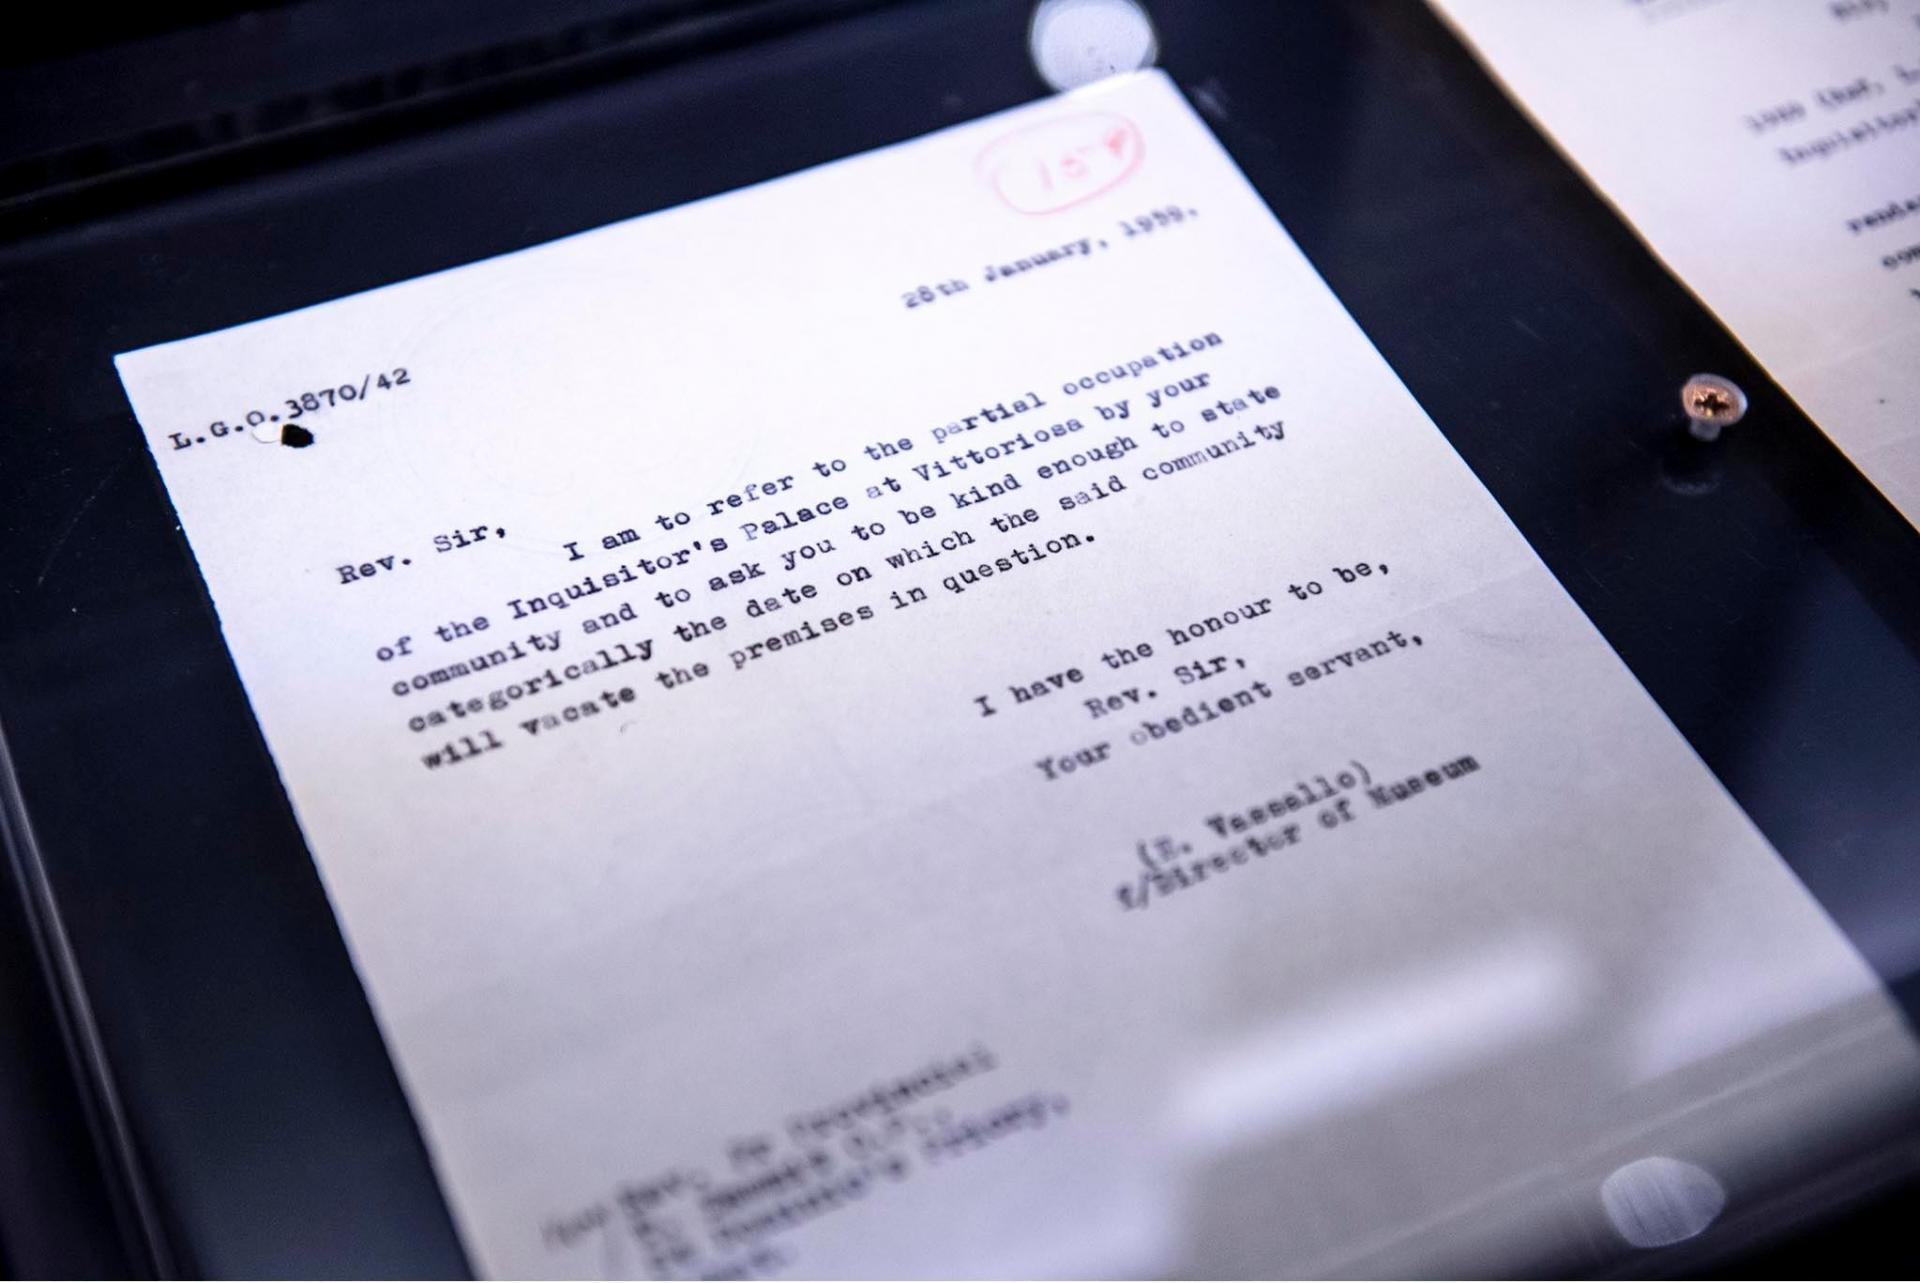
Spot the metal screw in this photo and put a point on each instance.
(1711, 403)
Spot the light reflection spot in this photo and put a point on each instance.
(1076, 42)
(1656, 1202)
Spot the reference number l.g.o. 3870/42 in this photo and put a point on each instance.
(259, 424)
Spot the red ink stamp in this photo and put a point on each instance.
(1062, 162)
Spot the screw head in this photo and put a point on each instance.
(1711, 403)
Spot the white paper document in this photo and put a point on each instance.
(1769, 152)
(948, 714)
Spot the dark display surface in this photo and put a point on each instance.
(1761, 590)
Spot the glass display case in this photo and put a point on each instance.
(919, 892)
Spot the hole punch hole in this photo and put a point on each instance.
(296, 436)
